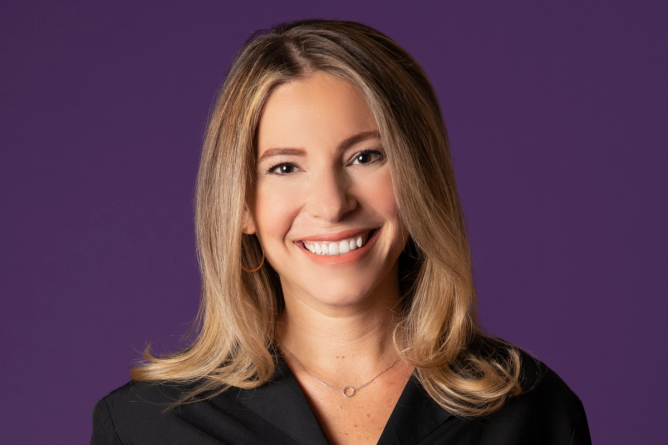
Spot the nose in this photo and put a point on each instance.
(330, 198)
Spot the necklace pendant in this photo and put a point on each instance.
(348, 391)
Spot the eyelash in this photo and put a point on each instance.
(379, 153)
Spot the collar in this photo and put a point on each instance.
(282, 403)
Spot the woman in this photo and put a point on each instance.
(338, 302)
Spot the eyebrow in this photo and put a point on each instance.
(352, 140)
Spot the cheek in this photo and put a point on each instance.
(381, 194)
(274, 212)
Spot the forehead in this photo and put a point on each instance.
(318, 111)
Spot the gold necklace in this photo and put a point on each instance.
(348, 391)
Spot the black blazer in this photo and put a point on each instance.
(278, 413)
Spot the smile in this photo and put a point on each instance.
(332, 248)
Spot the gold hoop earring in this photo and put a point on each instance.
(261, 262)
(257, 268)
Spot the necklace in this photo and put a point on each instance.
(348, 391)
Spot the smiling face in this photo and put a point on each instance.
(323, 206)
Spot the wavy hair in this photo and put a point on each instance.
(464, 370)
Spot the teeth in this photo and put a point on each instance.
(336, 247)
(333, 249)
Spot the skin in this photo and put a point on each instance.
(339, 310)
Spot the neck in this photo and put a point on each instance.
(341, 344)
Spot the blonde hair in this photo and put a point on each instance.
(465, 371)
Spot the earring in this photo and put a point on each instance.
(261, 262)
(257, 268)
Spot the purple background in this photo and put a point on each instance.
(557, 116)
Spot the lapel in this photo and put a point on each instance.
(414, 416)
(282, 403)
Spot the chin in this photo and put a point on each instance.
(341, 301)
(341, 297)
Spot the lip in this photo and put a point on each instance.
(346, 258)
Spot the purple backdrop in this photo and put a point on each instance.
(557, 117)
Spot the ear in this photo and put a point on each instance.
(248, 226)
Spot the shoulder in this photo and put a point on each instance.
(146, 413)
(547, 409)
(542, 383)
(117, 416)
(141, 412)
(143, 396)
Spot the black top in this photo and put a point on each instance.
(278, 413)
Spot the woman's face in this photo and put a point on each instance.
(323, 207)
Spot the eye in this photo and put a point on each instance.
(282, 169)
(368, 157)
